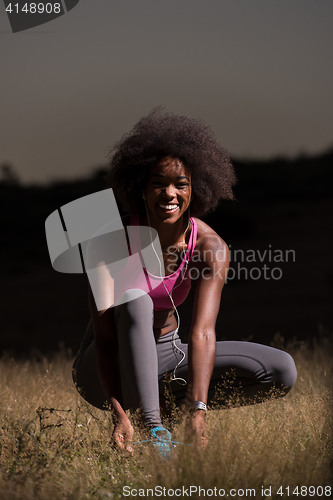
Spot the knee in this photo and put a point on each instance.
(135, 299)
(285, 371)
(131, 294)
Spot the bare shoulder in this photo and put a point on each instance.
(209, 240)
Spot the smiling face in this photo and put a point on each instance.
(168, 190)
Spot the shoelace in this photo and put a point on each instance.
(162, 440)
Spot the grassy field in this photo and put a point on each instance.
(55, 446)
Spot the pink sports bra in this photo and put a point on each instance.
(178, 283)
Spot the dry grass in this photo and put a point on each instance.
(55, 446)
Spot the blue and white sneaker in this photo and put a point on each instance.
(161, 439)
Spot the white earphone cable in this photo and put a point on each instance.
(180, 380)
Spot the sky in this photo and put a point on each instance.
(259, 72)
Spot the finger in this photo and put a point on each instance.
(119, 440)
(129, 441)
(129, 449)
(204, 442)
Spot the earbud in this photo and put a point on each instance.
(143, 195)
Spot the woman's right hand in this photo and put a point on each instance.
(123, 435)
(198, 425)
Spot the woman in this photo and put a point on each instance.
(167, 172)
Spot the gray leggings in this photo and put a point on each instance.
(253, 369)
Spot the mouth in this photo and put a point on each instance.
(169, 209)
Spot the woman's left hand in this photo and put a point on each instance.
(198, 424)
(123, 435)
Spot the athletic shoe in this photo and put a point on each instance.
(161, 439)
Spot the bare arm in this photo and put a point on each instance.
(106, 353)
(109, 370)
(202, 340)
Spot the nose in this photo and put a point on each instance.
(170, 191)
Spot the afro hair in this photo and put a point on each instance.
(161, 134)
